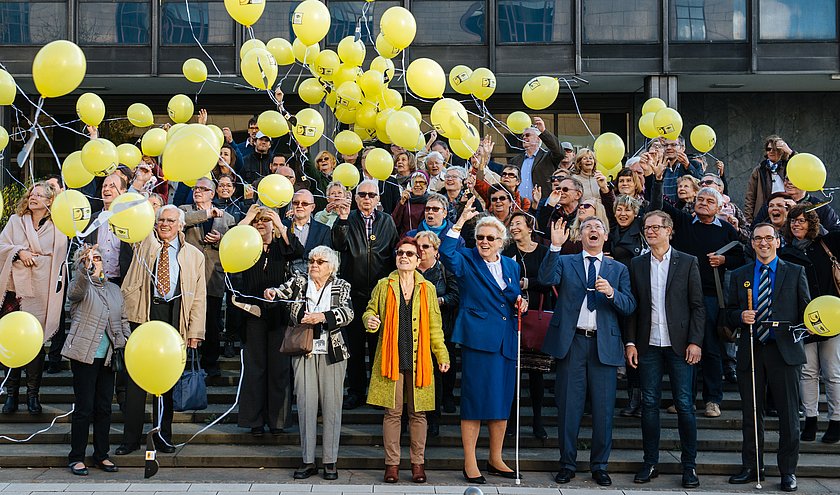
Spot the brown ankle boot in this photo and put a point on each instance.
(418, 473)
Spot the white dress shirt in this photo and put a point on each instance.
(495, 268)
(318, 301)
(588, 319)
(659, 335)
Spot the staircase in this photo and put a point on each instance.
(226, 445)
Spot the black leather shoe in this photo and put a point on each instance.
(731, 376)
(511, 475)
(602, 477)
(351, 402)
(257, 431)
(564, 476)
(276, 431)
(540, 433)
(126, 449)
(11, 404)
(307, 470)
(690, 479)
(478, 480)
(108, 468)
(789, 483)
(647, 473)
(82, 471)
(53, 368)
(330, 472)
(747, 475)
(164, 448)
(34, 405)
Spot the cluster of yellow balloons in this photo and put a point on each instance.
(155, 356)
(659, 120)
(480, 83)
(21, 339)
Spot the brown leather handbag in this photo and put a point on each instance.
(297, 341)
(835, 266)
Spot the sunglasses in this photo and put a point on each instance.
(370, 195)
(768, 150)
(301, 203)
(557, 178)
(419, 182)
(707, 183)
(488, 238)
(425, 246)
(586, 206)
(409, 254)
(509, 174)
(567, 189)
(433, 209)
(498, 199)
(318, 261)
(262, 220)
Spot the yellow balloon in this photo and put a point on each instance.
(170, 133)
(402, 129)
(668, 123)
(482, 83)
(129, 155)
(372, 83)
(646, 126)
(609, 150)
(272, 124)
(194, 70)
(8, 90)
(311, 91)
(806, 171)
(426, 78)
(58, 68)
(390, 98)
(275, 190)
(73, 172)
(190, 154)
(612, 173)
(442, 115)
(326, 63)
(91, 109)
(540, 92)
(311, 21)
(259, 68)
(398, 25)
(379, 164)
(193, 182)
(517, 122)
(330, 99)
(220, 136)
(347, 143)
(352, 52)
(382, 123)
(367, 134)
(4, 138)
(155, 355)
(348, 96)
(459, 78)
(414, 112)
(153, 142)
(180, 109)
(653, 105)
(703, 138)
(133, 217)
(347, 174)
(140, 115)
(822, 315)
(282, 51)
(240, 248)
(346, 73)
(70, 212)
(385, 66)
(366, 114)
(309, 127)
(385, 48)
(21, 339)
(305, 54)
(468, 144)
(100, 157)
(245, 13)
(249, 45)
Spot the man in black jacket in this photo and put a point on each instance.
(365, 238)
(666, 334)
(535, 164)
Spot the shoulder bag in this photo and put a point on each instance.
(725, 332)
(535, 325)
(298, 339)
(190, 393)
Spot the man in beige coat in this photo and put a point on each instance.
(165, 285)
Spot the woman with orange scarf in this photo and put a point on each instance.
(404, 310)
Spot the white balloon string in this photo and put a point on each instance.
(42, 430)
(577, 107)
(237, 293)
(3, 384)
(192, 31)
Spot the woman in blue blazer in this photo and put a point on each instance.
(486, 329)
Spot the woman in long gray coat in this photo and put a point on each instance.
(97, 327)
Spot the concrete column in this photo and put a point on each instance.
(664, 87)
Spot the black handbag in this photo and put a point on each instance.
(190, 393)
(117, 356)
(336, 348)
(725, 332)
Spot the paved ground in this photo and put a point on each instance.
(179, 481)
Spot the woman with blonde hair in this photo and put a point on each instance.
(321, 171)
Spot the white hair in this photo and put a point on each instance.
(491, 221)
(368, 182)
(709, 191)
(328, 254)
(435, 154)
(181, 214)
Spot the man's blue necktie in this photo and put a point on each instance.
(590, 284)
(763, 311)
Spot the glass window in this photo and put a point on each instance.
(32, 22)
(125, 22)
(444, 22)
(209, 22)
(534, 21)
(346, 15)
(797, 20)
(708, 20)
(276, 21)
(608, 21)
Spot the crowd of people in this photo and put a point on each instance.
(426, 275)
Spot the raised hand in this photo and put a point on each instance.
(202, 116)
(536, 193)
(468, 214)
(539, 124)
(559, 232)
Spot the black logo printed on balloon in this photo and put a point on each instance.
(816, 322)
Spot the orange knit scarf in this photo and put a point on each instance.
(390, 346)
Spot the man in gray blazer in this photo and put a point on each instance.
(666, 334)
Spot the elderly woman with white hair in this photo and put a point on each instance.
(322, 299)
(436, 167)
(490, 303)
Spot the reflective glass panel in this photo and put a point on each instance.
(208, 22)
(125, 23)
(708, 20)
(534, 21)
(442, 22)
(608, 21)
(797, 19)
(32, 23)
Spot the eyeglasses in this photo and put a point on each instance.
(201, 189)
(798, 221)
(225, 186)
(509, 174)
(97, 258)
(766, 238)
(653, 228)
(425, 246)
(408, 254)
(488, 238)
(370, 195)
(419, 182)
(498, 199)
(318, 261)
(452, 177)
(301, 203)
(433, 209)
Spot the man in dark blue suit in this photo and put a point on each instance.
(309, 232)
(585, 339)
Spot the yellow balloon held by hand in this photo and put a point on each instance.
(129, 155)
(133, 217)
(155, 356)
(822, 316)
(91, 109)
(100, 157)
(806, 171)
(275, 190)
(70, 212)
(194, 70)
(703, 138)
(646, 126)
(240, 248)
(609, 150)
(140, 115)
(180, 109)
(21, 339)
(245, 13)
(347, 174)
(517, 122)
(190, 154)
(668, 123)
(58, 68)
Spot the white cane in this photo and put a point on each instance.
(518, 381)
(752, 377)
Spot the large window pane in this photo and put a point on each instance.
(32, 23)
(708, 20)
(209, 22)
(443, 22)
(608, 21)
(534, 21)
(276, 20)
(125, 22)
(346, 15)
(798, 19)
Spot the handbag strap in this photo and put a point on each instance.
(834, 264)
(718, 286)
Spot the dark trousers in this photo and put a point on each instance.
(93, 387)
(210, 348)
(771, 372)
(266, 391)
(34, 372)
(652, 367)
(712, 360)
(444, 384)
(357, 339)
(581, 371)
(57, 340)
(234, 319)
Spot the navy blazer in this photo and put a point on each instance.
(319, 235)
(487, 315)
(568, 274)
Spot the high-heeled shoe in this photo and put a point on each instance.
(478, 480)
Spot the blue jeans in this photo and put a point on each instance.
(712, 361)
(652, 366)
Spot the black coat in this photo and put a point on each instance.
(365, 259)
(447, 289)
